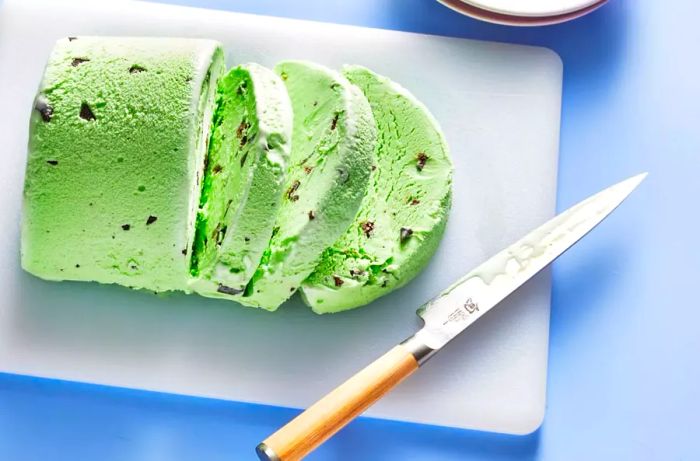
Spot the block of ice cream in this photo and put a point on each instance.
(333, 142)
(117, 143)
(402, 217)
(244, 179)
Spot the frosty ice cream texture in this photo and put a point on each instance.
(332, 153)
(403, 214)
(148, 169)
(242, 191)
(116, 149)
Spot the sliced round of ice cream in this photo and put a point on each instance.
(244, 179)
(333, 144)
(117, 144)
(402, 217)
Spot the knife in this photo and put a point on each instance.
(444, 317)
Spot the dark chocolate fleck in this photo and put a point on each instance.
(335, 85)
(338, 281)
(315, 103)
(312, 215)
(78, 61)
(405, 234)
(385, 283)
(343, 174)
(308, 169)
(244, 158)
(44, 109)
(367, 228)
(374, 167)
(292, 290)
(334, 122)
(247, 239)
(414, 201)
(86, 112)
(240, 131)
(244, 140)
(356, 272)
(126, 227)
(228, 290)
(52, 162)
(217, 169)
(291, 191)
(70, 39)
(184, 252)
(135, 69)
(77, 266)
(151, 219)
(421, 159)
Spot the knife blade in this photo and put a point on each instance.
(444, 317)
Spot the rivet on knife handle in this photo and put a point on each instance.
(330, 414)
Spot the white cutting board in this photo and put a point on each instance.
(499, 106)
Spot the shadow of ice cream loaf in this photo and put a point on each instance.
(402, 217)
(117, 144)
(333, 142)
(244, 179)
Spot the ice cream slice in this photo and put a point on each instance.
(333, 144)
(116, 153)
(244, 179)
(402, 217)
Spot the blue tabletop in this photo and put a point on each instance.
(624, 367)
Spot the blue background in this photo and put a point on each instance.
(625, 342)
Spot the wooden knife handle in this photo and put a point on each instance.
(330, 414)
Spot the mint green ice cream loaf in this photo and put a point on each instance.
(402, 217)
(333, 144)
(117, 144)
(244, 179)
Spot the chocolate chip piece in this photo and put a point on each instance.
(338, 281)
(291, 191)
(70, 39)
(343, 174)
(184, 252)
(406, 233)
(126, 227)
(312, 215)
(334, 122)
(356, 272)
(43, 107)
(136, 69)
(315, 103)
(151, 219)
(78, 61)
(385, 283)
(244, 158)
(52, 162)
(217, 169)
(367, 228)
(77, 266)
(244, 140)
(374, 167)
(421, 159)
(241, 129)
(86, 112)
(247, 239)
(228, 290)
(414, 201)
(308, 169)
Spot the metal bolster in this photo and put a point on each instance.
(266, 453)
(420, 351)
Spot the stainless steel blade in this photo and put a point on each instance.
(468, 299)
